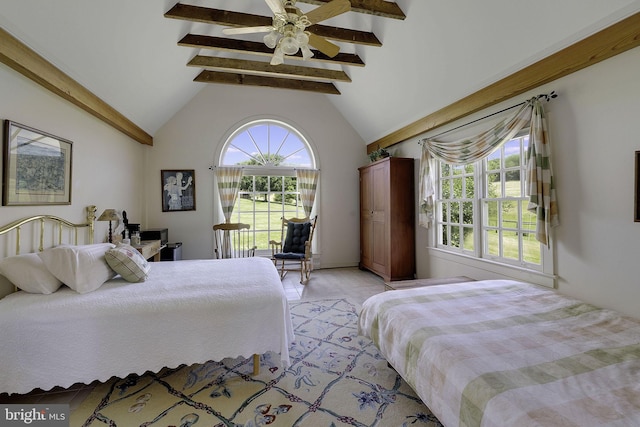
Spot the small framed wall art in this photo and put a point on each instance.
(36, 167)
(178, 190)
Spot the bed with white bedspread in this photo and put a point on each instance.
(185, 312)
(506, 353)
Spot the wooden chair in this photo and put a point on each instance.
(232, 240)
(293, 251)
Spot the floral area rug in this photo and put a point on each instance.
(336, 378)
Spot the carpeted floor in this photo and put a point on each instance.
(336, 378)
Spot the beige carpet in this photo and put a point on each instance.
(336, 378)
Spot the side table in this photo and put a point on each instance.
(150, 249)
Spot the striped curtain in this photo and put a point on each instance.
(228, 185)
(539, 180)
(307, 183)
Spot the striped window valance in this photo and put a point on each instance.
(540, 187)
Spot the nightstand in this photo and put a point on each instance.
(150, 249)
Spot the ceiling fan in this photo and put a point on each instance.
(288, 32)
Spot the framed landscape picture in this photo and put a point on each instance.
(36, 167)
(178, 190)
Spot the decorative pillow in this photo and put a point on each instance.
(29, 273)
(297, 235)
(128, 263)
(82, 268)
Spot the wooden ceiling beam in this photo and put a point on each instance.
(21, 58)
(611, 41)
(257, 48)
(382, 8)
(207, 76)
(239, 19)
(260, 68)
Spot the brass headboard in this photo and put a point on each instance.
(38, 231)
(57, 223)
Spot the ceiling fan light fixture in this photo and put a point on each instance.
(271, 39)
(278, 57)
(306, 52)
(289, 45)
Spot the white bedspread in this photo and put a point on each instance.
(186, 312)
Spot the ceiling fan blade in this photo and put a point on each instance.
(328, 10)
(247, 30)
(276, 6)
(323, 45)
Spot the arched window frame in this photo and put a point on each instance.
(266, 170)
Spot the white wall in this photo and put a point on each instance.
(594, 131)
(105, 162)
(192, 138)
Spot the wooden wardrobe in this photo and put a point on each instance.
(387, 218)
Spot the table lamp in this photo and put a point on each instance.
(109, 215)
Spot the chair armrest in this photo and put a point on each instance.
(274, 247)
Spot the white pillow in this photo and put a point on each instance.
(128, 263)
(82, 268)
(29, 273)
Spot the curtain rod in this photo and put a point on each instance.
(242, 167)
(547, 96)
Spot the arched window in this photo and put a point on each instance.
(269, 152)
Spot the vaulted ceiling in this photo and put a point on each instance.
(145, 63)
(316, 74)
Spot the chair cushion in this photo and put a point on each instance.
(289, 255)
(297, 236)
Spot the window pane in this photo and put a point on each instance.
(530, 248)
(457, 187)
(469, 243)
(528, 219)
(494, 186)
(512, 153)
(455, 212)
(512, 185)
(509, 214)
(510, 245)
(491, 213)
(445, 169)
(445, 211)
(445, 189)
(455, 236)
(492, 238)
(467, 212)
(493, 161)
(262, 239)
(469, 187)
(444, 233)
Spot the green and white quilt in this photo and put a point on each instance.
(507, 353)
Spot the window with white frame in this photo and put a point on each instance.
(269, 152)
(482, 209)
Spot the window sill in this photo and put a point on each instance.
(511, 271)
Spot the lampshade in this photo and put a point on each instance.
(289, 45)
(278, 57)
(271, 39)
(109, 215)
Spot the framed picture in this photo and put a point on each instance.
(178, 190)
(636, 200)
(36, 167)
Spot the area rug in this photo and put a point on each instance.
(336, 378)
